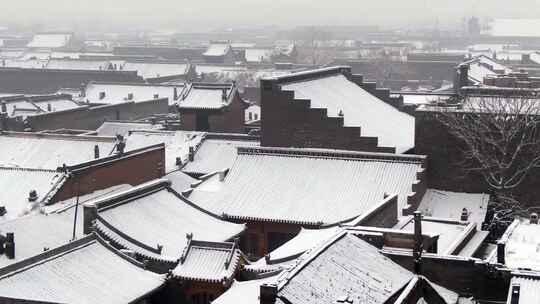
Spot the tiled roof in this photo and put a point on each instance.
(447, 204)
(217, 49)
(156, 215)
(40, 151)
(78, 64)
(118, 92)
(16, 184)
(206, 96)
(50, 40)
(180, 181)
(308, 186)
(176, 144)
(217, 153)
(243, 292)
(522, 241)
(344, 267)
(149, 70)
(85, 271)
(208, 261)
(112, 128)
(361, 109)
(529, 291)
(258, 55)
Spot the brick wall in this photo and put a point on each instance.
(46, 81)
(132, 168)
(90, 118)
(290, 122)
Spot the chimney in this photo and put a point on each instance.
(191, 155)
(464, 215)
(463, 76)
(178, 161)
(156, 96)
(9, 245)
(267, 294)
(501, 248)
(90, 212)
(120, 144)
(130, 96)
(175, 93)
(418, 241)
(221, 175)
(101, 95)
(96, 151)
(49, 107)
(83, 90)
(4, 107)
(514, 296)
(224, 94)
(32, 196)
(534, 218)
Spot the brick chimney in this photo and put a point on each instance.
(501, 252)
(534, 218)
(90, 212)
(514, 294)
(268, 294)
(9, 245)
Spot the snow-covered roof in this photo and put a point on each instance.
(243, 292)
(514, 27)
(112, 128)
(16, 184)
(324, 275)
(180, 181)
(23, 63)
(50, 40)
(85, 271)
(40, 151)
(361, 109)
(447, 204)
(305, 186)
(217, 152)
(149, 70)
(217, 49)
(112, 93)
(482, 67)
(522, 242)
(78, 64)
(176, 144)
(529, 289)
(156, 215)
(258, 55)
(214, 262)
(206, 96)
(418, 99)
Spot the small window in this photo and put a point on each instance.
(250, 116)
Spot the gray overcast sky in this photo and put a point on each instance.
(214, 13)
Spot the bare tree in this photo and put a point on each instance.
(501, 142)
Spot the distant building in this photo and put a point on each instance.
(212, 107)
(51, 40)
(219, 52)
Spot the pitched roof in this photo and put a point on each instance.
(217, 49)
(16, 184)
(529, 289)
(153, 214)
(177, 144)
(344, 267)
(208, 262)
(305, 186)
(80, 272)
(112, 128)
(336, 93)
(78, 64)
(217, 152)
(243, 292)
(206, 96)
(149, 70)
(180, 181)
(112, 93)
(447, 204)
(50, 40)
(522, 241)
(45, 151)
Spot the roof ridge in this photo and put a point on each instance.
(327, 153)
(3, 167)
